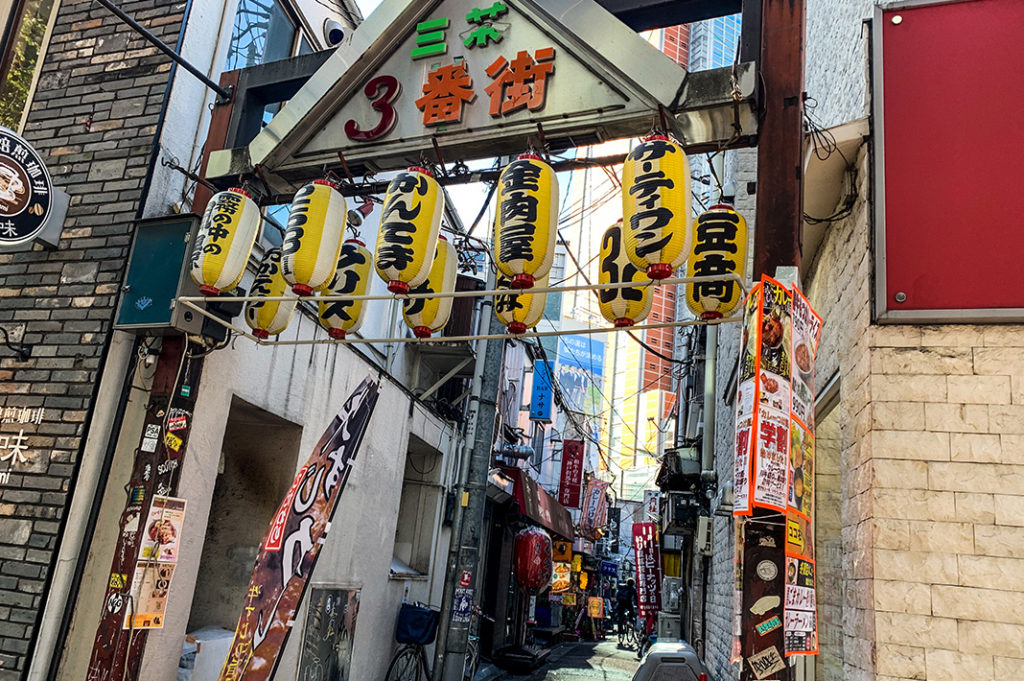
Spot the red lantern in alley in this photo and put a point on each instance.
(533, 563)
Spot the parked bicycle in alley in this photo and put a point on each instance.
(415, 630)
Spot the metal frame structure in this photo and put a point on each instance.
(883, 314)
(193, 303)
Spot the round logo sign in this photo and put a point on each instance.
(767, 570)
(25, 190)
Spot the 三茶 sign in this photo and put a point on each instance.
(26, 191)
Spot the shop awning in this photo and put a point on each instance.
(539, 506)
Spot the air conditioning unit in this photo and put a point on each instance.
(669, 627)
(671, 593)
(703, 538)
(679, 513)
(672, 543)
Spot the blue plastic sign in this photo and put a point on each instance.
(541, 397)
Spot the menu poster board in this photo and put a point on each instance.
(800, 622)
(561, 578)
(162, 535)
(151, 582)
(326, 651)
(773, 397)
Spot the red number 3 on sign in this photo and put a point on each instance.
(381, 91)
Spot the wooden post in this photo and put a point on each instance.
(777, 243)
(780, 144)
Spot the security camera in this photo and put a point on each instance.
(334, 32)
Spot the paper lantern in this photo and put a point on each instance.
(427, 315)
(352, 278)
(719, 247)
(409, 223)
(226, 235)
(656, 206)
(520, 311)
(532, 559)
(268, 318)
(526, 220)
(312, 240)
(621, 306)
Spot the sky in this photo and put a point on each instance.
(367, 6)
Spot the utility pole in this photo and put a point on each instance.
(464, 554)
(779, 219)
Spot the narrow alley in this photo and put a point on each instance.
(585, 661)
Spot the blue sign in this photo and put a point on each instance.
(609, 568)
(541, 397)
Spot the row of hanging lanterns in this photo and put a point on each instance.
(651, 242)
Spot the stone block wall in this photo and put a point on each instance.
(93, 118)
(947, 490)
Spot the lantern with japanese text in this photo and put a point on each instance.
(409, 223)
(351, 278)
(656, 206)
(427, 315)
(268, 318)
(621, 306)
(226, 236)
(312, 240)
(532, 556)
(526, 220)
(520, 311)
(719, 248)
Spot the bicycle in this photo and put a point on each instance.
(627, 632)
(416, 629)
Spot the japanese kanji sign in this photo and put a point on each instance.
(648, 568)
(477, 76)
(572, 474)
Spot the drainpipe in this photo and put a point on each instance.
(707, 459)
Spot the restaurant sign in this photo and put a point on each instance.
(30, 207)
(476, 76)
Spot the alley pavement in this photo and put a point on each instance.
(585, 661)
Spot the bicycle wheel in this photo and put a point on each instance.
(472, 661)
(406, 666)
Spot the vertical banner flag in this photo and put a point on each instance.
(801, 620)
(292, 544)
(745, 393)
(648, 568)
(595, 508)
(572, 474)
(541, 397)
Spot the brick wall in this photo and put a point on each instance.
(92, 118)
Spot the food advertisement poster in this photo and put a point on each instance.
(561, 578)
(162, 535)
(151, 583)
(771, 452)
(595, 607)
(800, 624)
(746, 395)
(772, 469)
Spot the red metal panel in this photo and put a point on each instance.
(953, 83)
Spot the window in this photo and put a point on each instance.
(418, 510)
(19, 56)
(263, 32)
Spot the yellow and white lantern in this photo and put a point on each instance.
(409, 224)
(520, 311)
(719, 248)
(656, 206)
(621, 306)
(268, 318)
(351, 278)
(226, 235)
(312, 240)
(526, 220)
(427, 315)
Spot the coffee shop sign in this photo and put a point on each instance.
(30, 208)
(515, 85)
(14, 448)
